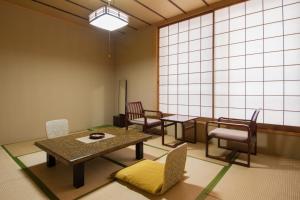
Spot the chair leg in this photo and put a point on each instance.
(206, 148)
(249, 153)
(126, 124)
(255, 147)
(144, 128)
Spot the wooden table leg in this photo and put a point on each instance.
(51, 161)
(78, 175)
(139, 151)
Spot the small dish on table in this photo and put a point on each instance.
(96, 136)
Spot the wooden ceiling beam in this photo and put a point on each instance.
(59, 9)
(77, 4)
(177, 6)
(204, 1)
(199, 11)
(147, 7)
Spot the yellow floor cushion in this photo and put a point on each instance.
(147, 175)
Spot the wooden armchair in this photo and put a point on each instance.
(135, 114)
(237, 130)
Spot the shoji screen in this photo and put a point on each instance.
(185, 67)
(257, 61)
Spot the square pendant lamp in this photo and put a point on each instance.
(108, 18)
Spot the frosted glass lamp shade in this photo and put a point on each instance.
(108, 18)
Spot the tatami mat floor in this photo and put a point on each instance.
(14, 184)
(269, 177)
(188, 189)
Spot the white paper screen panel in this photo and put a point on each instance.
(237, 62)
(292, 26)
(188, 47)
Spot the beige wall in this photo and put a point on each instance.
(135, 62)
(51, 69)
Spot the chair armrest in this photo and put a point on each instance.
(226, 123)
(233, 119)
(154, 111)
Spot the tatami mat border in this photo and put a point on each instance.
(205, 192)
(28, 153)
(44, 188)
(34, 178)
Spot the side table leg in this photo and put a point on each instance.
(139, 151)
(162, 132)
(176, 131)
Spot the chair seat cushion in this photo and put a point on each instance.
(141, 121)
(229, 134)
(147, 175)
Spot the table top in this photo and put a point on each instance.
(71, 151)
(179, 118)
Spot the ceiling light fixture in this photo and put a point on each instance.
(108, 18)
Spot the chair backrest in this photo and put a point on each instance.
(174, 167)
(255, 115)
(57, 128)
(253, 125)
(134, 110)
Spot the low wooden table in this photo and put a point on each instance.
(70, 151)
(174, 119)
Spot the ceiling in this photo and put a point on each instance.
(142, 13)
